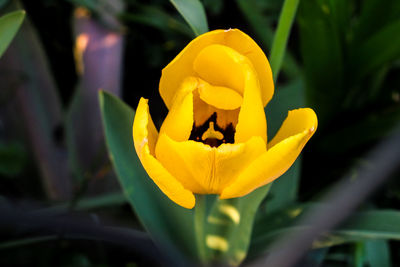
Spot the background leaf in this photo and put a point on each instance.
(156, 17)
(3, 3)
(35, 105)
(193, 12)
(322, 52)
(9, 25)
(362, 226)
(282, 33)
(13, 158)
(377, 253)
(284, 190)
(377, 50)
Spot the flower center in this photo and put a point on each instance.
(210, 133)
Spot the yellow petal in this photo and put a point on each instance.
(144, 132)
(179, 122)
(221, 65)
(246, 46)
(182, 65)
(296, 130)
(204, 169)
(144, 138)
(251, 121)
(203, 111)
(219, 96)
(297, 121)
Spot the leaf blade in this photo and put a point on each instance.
(9, 25)
(362, 226)
(284, 189)
(281, 37)
(379, 49)
(378, 253)
(194, 14)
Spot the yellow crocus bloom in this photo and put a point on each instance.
(214, 138)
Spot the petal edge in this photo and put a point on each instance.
(144, 138)
(283, 151)
(181, 65)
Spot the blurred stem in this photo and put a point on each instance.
(279, 44)
(359, 254)
(27, 241)
(85, 204)
(199, 225)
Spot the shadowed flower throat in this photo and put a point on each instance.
(210, 133)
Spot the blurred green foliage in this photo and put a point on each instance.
(9, 25)
(12, 159)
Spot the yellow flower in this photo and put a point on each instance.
(214, 138)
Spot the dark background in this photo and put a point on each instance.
(347, 66)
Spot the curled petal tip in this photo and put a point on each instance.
(189, 201)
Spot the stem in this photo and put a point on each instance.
(27, 241)
(358, 260)
(199, 225)
(279, 44)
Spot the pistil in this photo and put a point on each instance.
(211, 133)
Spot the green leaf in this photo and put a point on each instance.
(284, 189)
(362, 226)
(381, 48)
(377, 253)
(373, 17)
(9, 25)
(287, 97)
(193, 12)
(315, 258)
(359, 255)
(214, 6)
(270, 226)
(12, 159)
(3, 3)
(279, 44)
(89, 203)
(71, 133)
(375, 224)
(154, 16)
(170, 225)
(27, 241)
(322, 53)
